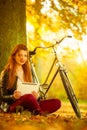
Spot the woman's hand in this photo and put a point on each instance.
(35, 94)
(17, 94)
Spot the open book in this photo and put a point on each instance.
(27, 87)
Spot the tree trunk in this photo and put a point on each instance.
(12, 27)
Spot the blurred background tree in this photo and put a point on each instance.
(47, 22)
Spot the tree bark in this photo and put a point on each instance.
(12, 27)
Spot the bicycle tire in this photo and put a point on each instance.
(70, 93)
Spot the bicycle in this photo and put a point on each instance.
(64, 77)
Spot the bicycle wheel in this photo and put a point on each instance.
(70, 93)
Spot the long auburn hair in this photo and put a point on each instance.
(11, 66)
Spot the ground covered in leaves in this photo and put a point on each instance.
(63, 119)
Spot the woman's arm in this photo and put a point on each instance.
(6, 97)
(4, 94)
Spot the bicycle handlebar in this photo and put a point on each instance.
(57, 42)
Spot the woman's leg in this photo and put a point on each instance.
(28, 102)
(50, 105)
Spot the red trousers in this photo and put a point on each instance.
(30, 103)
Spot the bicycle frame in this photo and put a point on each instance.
(35, 77)
(56, 59)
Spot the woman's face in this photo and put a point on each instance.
(21, 57)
